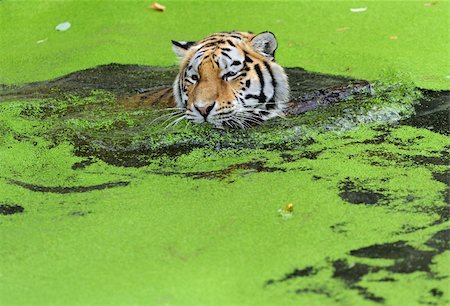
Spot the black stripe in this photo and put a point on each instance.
(231, 43)
(226, 112)
(251, 97)
(199, 55)
(270, 105)
(224, 54)
(247, 83)
(236, 63)
(211, 44)
(248, 59)
(274, 83)
(262, 96)
(242, 101)
(181, 90)
(182, 85)
(226, 49)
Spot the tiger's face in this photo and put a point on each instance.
(230, 79)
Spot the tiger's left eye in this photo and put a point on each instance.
(194, 77)
(229, 75)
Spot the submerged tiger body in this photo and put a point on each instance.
(230, 79)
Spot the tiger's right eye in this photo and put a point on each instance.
(194, 77)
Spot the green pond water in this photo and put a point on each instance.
(103, 204)
(322, 36)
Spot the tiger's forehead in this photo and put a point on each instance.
(228, 36)
(224, 49)
(222, 57)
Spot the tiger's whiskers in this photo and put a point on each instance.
(175, 121)
(166, 117)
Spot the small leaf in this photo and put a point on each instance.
(157, 7)
(358, 10)
(63, 26)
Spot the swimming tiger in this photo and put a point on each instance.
(230, 79)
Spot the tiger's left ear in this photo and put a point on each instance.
(265, 43)
(180, 47)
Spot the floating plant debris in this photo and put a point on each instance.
(63, 26)
(287, 211)
(358, 10)
(157, 7)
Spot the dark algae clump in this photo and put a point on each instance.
(10, 209)
(359, 195)
(71, 189)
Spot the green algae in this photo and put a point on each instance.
(190, 214)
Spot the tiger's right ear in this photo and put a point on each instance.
(180, 47)
(266, 44)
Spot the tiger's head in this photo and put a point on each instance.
(230, 79)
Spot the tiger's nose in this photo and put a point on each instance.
(205, 109)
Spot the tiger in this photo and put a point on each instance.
(230, 79)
